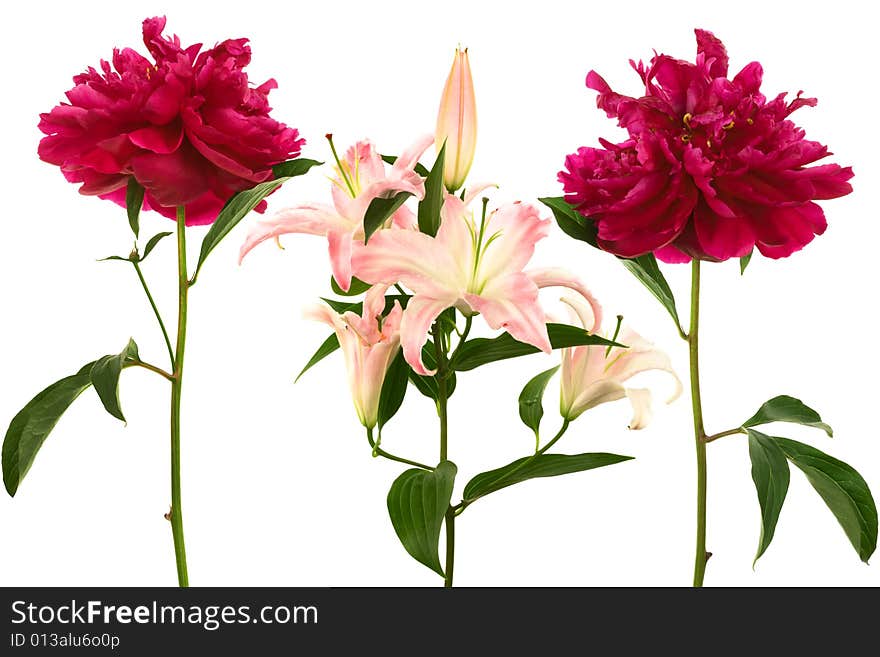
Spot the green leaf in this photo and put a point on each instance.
(134, 199)
(844, 491)
(480, 351)
(646, 269)
(787, 409)
(105, 377)
(572, 222)
(531, 467)
(531, 399)
(417, 502)
(379, 210)
(114, 257)
(298, 166)
(357, 287)
(393, 389)
(430, 205)
(418, 168)
(327, 347)
(151, 244)
(427, 385)
(744, 262)
(241, 204)
(33, 423)
(771, 476)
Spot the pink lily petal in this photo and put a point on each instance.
(518, 228)
(640, 398)
(309, 219)
(410, 157)
(511, 303)
(557, 277)
(339, 243)
(421, 311)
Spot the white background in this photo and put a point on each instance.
(279, 486)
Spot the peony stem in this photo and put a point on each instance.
(442, 400)
(176, 515)
(699, 432)
(140, 274)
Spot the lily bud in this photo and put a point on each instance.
(457, 122)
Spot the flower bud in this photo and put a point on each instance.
(457, 122)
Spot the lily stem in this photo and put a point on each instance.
(442, 402)
(176, 389)
(701, 556)
(378, 451)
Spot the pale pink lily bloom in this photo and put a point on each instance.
(474, 265)
(592, 375)
(457, 122)
(369, 343)
(360, 177)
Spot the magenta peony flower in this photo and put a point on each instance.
(188, 127)
(711, 168)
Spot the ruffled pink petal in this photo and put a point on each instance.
(339, 245)
(420, 313)
(310, 219)
(511, 303)
(159, 139)
(557, 277)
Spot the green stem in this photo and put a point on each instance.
(701, 555)
(148, 366)
(721, 434)
(140, 274)
(442, 403)
(176, 389)
(378, 451)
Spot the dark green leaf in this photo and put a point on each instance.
(531, 467)
(646, 269)
(427, 385)
(241, 204)
(572, 222)
(393, 389)
(844, 491)
(417, 502)
(480, 351)
(744, 262)
(151, 244)
(105, 377)
(771, 476)
(33, 423)
(430, 205)
(379, 211)
(357, 287)
(134, 199)
(418, 168)
(531, 399)
(292, 168)
(327, 347)
(787, 409)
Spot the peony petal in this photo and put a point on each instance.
(159, 139)
(722, 237)
(710, 46)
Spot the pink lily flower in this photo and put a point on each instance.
(477, 267)
(360, 177)
(369, 344)
(593, 375)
